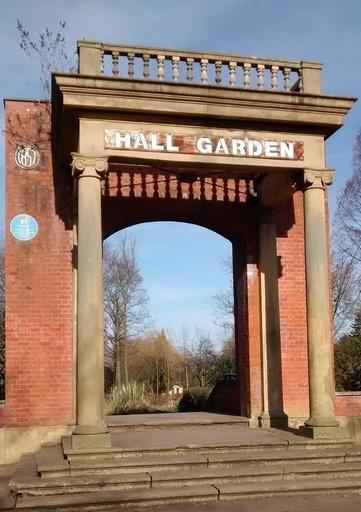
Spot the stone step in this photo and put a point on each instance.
(193, 477)
(51, 464)
(116, 500)
(135, 444)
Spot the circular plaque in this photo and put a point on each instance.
(27, 157)
(24, 227)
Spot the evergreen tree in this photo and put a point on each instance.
(355, 331)
(348, 358)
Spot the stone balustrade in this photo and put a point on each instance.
(205, 69)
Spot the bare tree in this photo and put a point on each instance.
(49, 49)
(203, 358)
(346, 287)
(224, 303)
(346, 249)
(125, 304)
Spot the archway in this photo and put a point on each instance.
(188, 275)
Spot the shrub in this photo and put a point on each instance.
(194, 399)
(127, 399)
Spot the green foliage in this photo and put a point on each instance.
(194, 399)
(348, 359)
(127, 399)
(224, 362)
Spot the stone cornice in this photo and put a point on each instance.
(89, 166)
(324, 113)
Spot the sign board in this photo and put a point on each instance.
(24, 227)
(233, 144)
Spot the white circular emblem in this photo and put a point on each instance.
(27, 157)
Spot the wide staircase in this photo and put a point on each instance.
(174, 460)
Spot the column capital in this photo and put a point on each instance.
(89, 166)
(317, 178)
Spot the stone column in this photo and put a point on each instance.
(322, 421)
(272, 414)
(90, 430)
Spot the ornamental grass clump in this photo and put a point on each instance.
(127, 399)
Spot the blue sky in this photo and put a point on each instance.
(325, 30)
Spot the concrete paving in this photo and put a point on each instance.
(277, 504)
(231, 434)
(171, 418)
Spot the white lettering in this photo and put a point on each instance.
(287, 149)
(204, 145)
(140, 141)
(254, 148)
(122, 140)
(217, 145)
(271, 148)
(238, 147)
(221, 146)
(169, 143)
(154, 142)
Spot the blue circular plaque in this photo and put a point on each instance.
(24, 227)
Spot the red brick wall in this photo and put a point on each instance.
(348, 405)
(292, 290)
(38, 280)
(39, 274)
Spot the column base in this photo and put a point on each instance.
(273, 419)
(336, 432)
(264, 420)
(93, 436)
(79, 441)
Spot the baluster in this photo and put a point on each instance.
(131, 57)
(274, 77)
(175, 69)
(218, 67)
(260, 76)
(102, 64)
(190, 69)
(225, 190)
(203, 188)
(146, 58)
(115, 60)
(287, 78)
(156, 186)
(131, 184)
(144, 185)
(246, 74)
(190, 191)
(300, 80)
(214, 189)
(160, 61)
(232, 73)
(204, 71)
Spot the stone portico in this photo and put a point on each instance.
(232, 143)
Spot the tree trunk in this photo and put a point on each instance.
(118, 373)
(124, 361)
